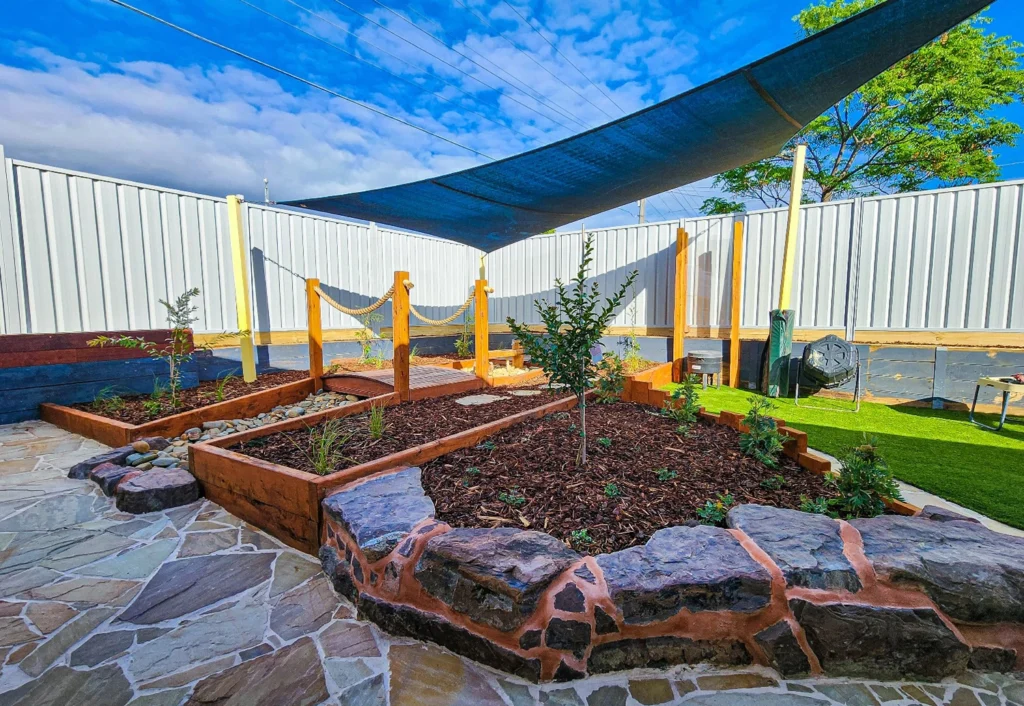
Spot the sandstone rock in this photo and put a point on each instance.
(608, 695)
(304, 610)
(806, 547)
(293, 675)
(880, 643)
(660, 652)
(941, 514)
(422, 675)
(697, 568)
(782, 649)
(349, 639)
(570, 635)
(971, 572)
(493, 576)
(651, 691)
(409, 622)
(108, 475)
(48, 653)
(63, 686)
(158, 489)
(379, 513)
(101, 647)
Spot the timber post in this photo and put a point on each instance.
(400, 335)
(679, 309)
(316, 334)
(481, 329)
(240, 267)
(737, 304)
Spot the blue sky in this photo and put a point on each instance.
(89, 85)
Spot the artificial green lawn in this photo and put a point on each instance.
(936, 450)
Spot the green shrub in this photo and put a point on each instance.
(324, 447)
(666, 475)
(817, 506)
(611, 379)
(612, 491)
(683, 404)
(864, 483)
(580, 537)
(774, 483)
(714, 511)
(605, 442)
(513, 498)
(762, 440)
(464, 343)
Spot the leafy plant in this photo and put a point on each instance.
(487, 445)
(367, 338)
(414, 353)
(632, 360)
(665, 475)
(714, 511)
(774, 483)
(219, 391)
(605, 442)
(152, 407)
(580, 537)
(864, 483)
(107, 401)
(324, 447)
(762, 439)
(464, 343)
(611, 378)
(376, 422)
(512, 498)
(473, 471)
(179, 348)
(572, 328)
(817, 506)
(683, 405)
(612, 491)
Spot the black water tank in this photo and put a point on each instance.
(829, 362)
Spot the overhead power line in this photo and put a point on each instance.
(283, 72)
(378, 66)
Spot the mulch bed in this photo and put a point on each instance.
(634, 367)
(406, 425)
(132, 409)
(537, 460)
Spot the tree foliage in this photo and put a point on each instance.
(573, 326)
(927, 119)
(718, 206)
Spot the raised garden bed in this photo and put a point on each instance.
(285, 501)
(643, 475)
(246, 403)
(358, 365)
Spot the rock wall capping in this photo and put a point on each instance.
(889, 597)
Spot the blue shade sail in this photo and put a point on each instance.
(741, 117)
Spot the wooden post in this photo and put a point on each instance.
(400, 335)
(316, 333)
(796, 189)
(737, 304)
(243, 310)
(679, 312)
(482, 330)
(517, 355)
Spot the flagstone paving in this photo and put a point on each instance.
(193, 606)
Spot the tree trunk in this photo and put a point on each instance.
(582, 403)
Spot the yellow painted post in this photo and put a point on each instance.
(400, 335)
(796, 189)
(243, 309)
(737, 304)
(482, 330)
(679, 312)
(316, 333)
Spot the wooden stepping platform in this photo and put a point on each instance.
(422, 380)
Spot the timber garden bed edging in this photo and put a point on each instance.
(117, 433)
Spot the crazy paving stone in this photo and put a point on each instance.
(256, 651)
(137, 563)
(47, 653)
(93, 591)
(258, 539)
(518, 694)
(304, 609)
(345, 639)
(292, 675)
(34, 577)
(494, 576)
(423, 675)
(101, 647)
(233, 630)
(697, 568)
(187, 676)
(172, 697)
(348, 672)
(754, 699)
(963, 697)
(91, 549)
(7, 608)
(849, 694)
(806, 547)
(651, 691)
(67, 548)
(561, 697)
(886, 693)
(290, 570)
(610, 695)
(47, 617)
(379, 513)
(369, 692)
(62, 686)
(51, 514)
(183, 586)
(742, 680)
(15, 631)
(202, 543)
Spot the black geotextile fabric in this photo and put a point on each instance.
(741, 117)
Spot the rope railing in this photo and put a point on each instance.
(442, 322)
(357, 312)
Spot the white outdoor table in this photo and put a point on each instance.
(1006, 386)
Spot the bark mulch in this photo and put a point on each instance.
(132, 409)
(628, 444)
(405, 426)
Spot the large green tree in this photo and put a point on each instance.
(928, 118)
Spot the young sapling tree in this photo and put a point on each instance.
(572, 328)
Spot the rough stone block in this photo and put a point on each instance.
(993, 659)
(108, 475)
(782, 649)
(158, 489)
(697, 568)
(570, 635)
(941, 514)
(660, 652)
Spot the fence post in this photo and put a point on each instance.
(737, 304)
(482, 330)
(316, 334)
(679, 309)
(243, 309)
(400, 335)
(853, 270)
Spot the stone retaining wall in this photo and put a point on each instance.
(888, 597)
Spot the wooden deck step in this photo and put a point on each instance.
(422, 379)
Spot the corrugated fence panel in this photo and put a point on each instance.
(85, 252)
